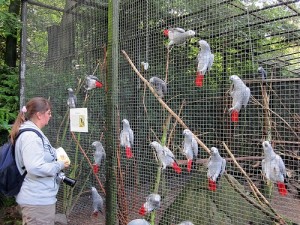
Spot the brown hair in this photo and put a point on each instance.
(37, 104)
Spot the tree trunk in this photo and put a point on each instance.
(10, 55)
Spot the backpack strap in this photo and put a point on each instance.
(20, 132)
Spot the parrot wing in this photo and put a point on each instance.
(131, 137)
(223, 166)
(210, 62)
(167, 152)
(246, 97)
(281, 165)
(179, 30)
(94, 77)
(123, 138)
(195, 147)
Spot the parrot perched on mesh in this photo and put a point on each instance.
(92, 82)
(186, 223)
(72, 100)
(273, 167)
(159, 85)
(97, 202)
(99, 154)
(190, 147)
(216, 167)
(205, 61)
(152, 203)
(241, 95)
(126, 138)
(178, 36)
(262, 72)
(139, 222)
(165, 156)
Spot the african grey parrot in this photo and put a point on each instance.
(126, 138)
(178, 36)
(165, 156)
(97, 202)
(273, 167)
(139, 222)
(190, 147)
(240, 95)
(99, 154)
(92, 82)
(72, 99)
(152, 203)
(186, 223)
(159, 85)
(262, 72)
(205, 61)
(216, 167)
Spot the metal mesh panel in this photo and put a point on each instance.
(69, 41)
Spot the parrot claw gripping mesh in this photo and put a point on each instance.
(190, 147)
(139, 222)
(178, 36)
(152, 203)
(165, 156)
(159, 85)
(216, 167)
(273, 167)
(97, 202)
(205, 61)
(240, 97)
(92, 82)
(99, 155)
(126, 138)
(72, 100)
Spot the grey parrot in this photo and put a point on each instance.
(178, 36)
(273, 167)
(139, 222)
(99, 154)
(152, 203)
(72, 100)
(92, 82)
(165, 156)
(186, 223)
(190, 147)
(205, 61)
(240, 95)
(97, 202)
(216, 167)
(262, 72)
(126, 138)
(159, 85)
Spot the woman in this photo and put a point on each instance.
(37, 197)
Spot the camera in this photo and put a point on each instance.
(67, 180)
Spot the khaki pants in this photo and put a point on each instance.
(38, 214)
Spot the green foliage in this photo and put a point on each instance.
(9, 101)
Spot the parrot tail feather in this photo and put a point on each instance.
(212, 185)
(95, 168)
(235, 116)
(176, 167)
(128, 152)
(199, 79)
(99, 84)
(142, 211)
(189, 165)
(281, 188)
(166, 33)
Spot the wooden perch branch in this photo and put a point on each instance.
(164, 105)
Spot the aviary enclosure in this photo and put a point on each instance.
(126, 43)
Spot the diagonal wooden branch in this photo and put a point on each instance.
(164, 105)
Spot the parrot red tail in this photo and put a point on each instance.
(212, 185)
(142, 211)
(166, 33)
(199, 79)
(176, 167)
(95, 168)
(234, 116)
(281, 188)
(189, 165)
(128, 152)
(99, 84)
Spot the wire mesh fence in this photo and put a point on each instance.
(163, 67)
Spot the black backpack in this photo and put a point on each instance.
(10, 178)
